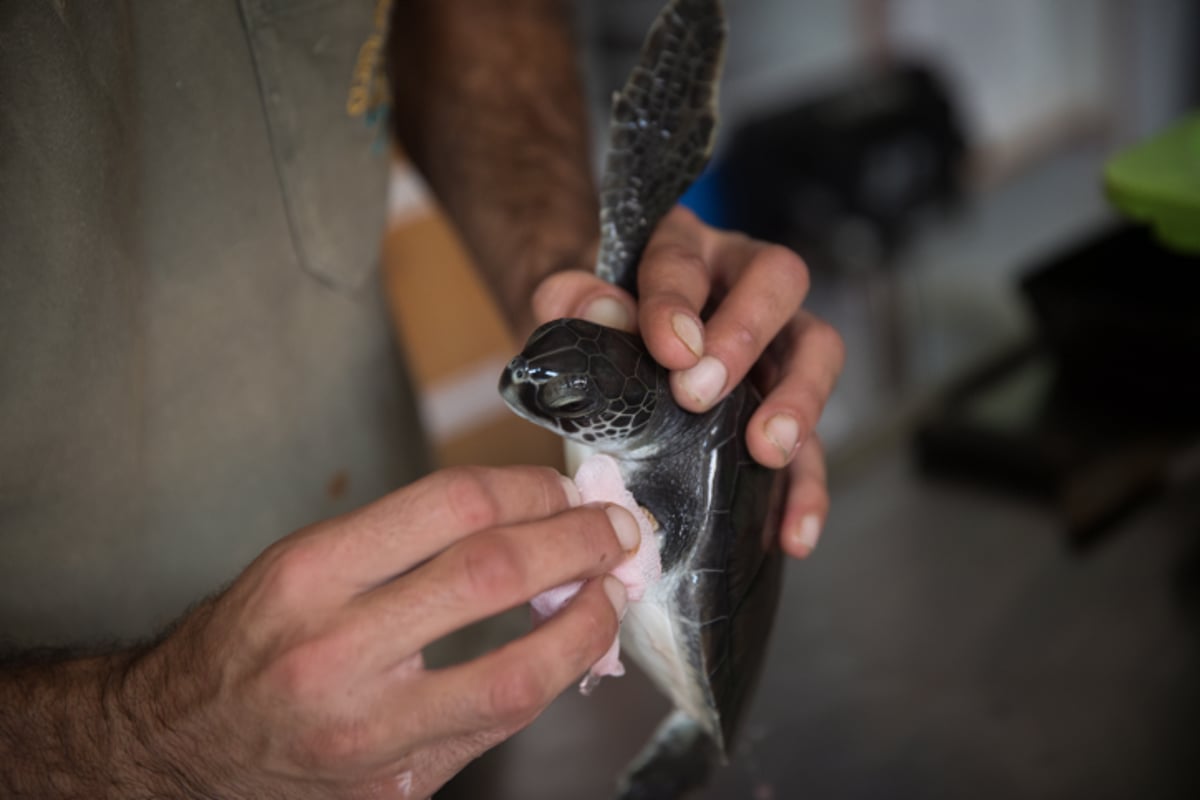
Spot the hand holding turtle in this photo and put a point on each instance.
(305, 678)
(754, 291)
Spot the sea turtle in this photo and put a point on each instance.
(700, 631)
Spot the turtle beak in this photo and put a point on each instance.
(506, 382)
(516, 389)
(516, 372)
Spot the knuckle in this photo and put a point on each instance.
(552, 492)
(748, 340)
(517, 693)
(599, 627)
(291, 570)
(786, 275)
(785, 266)
(304, 672)
(826, 337)
(493, 569)
(660, 303)
(678, 260)
(593, 537)
(470, 498)
(333, 746)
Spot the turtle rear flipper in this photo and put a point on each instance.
(676, 760)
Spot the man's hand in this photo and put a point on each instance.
(305, 678)
(754, 292)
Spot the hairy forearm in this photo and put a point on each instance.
(118, 724)
(487, 102)
(63, 730)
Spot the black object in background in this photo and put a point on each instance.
(1093, 413)
(877, 151)
(1121, 314)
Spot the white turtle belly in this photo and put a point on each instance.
(656, 640)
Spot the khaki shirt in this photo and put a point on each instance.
(195, 357)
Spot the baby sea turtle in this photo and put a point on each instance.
(701, 630)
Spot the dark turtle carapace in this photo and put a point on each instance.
(699, 632)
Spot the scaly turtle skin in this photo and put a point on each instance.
(701, 631)
(663, 125)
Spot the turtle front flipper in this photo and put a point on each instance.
(676, 760)
(661, 134)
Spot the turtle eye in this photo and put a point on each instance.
(567, 395)
(570, 406)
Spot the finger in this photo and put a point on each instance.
(399, 531)
(771, 283)
(505, 690)
(807, 502)
(674, 283)
(790, 411)
(484, 575)
(580, 294)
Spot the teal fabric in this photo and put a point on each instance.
(195, 357)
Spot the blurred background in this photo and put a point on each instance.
(1006, 600)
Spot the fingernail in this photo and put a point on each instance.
(689, 333)
(808, 532)
(571, 491)
(617, 594)
(625, 526)
(705, 380)
(784, 432)
(610, 312)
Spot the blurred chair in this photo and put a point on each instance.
(1096, 413)
(1093, 413)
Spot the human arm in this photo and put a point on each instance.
(487, 103)
(305, 678)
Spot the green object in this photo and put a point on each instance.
(1158, 182)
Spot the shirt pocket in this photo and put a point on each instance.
(332, 162)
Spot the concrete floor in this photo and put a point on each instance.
(942, 643)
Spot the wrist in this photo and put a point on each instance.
(141, 729)
(164, 710)
(101, 726)
(62, 733)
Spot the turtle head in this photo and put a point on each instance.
(586, 382)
